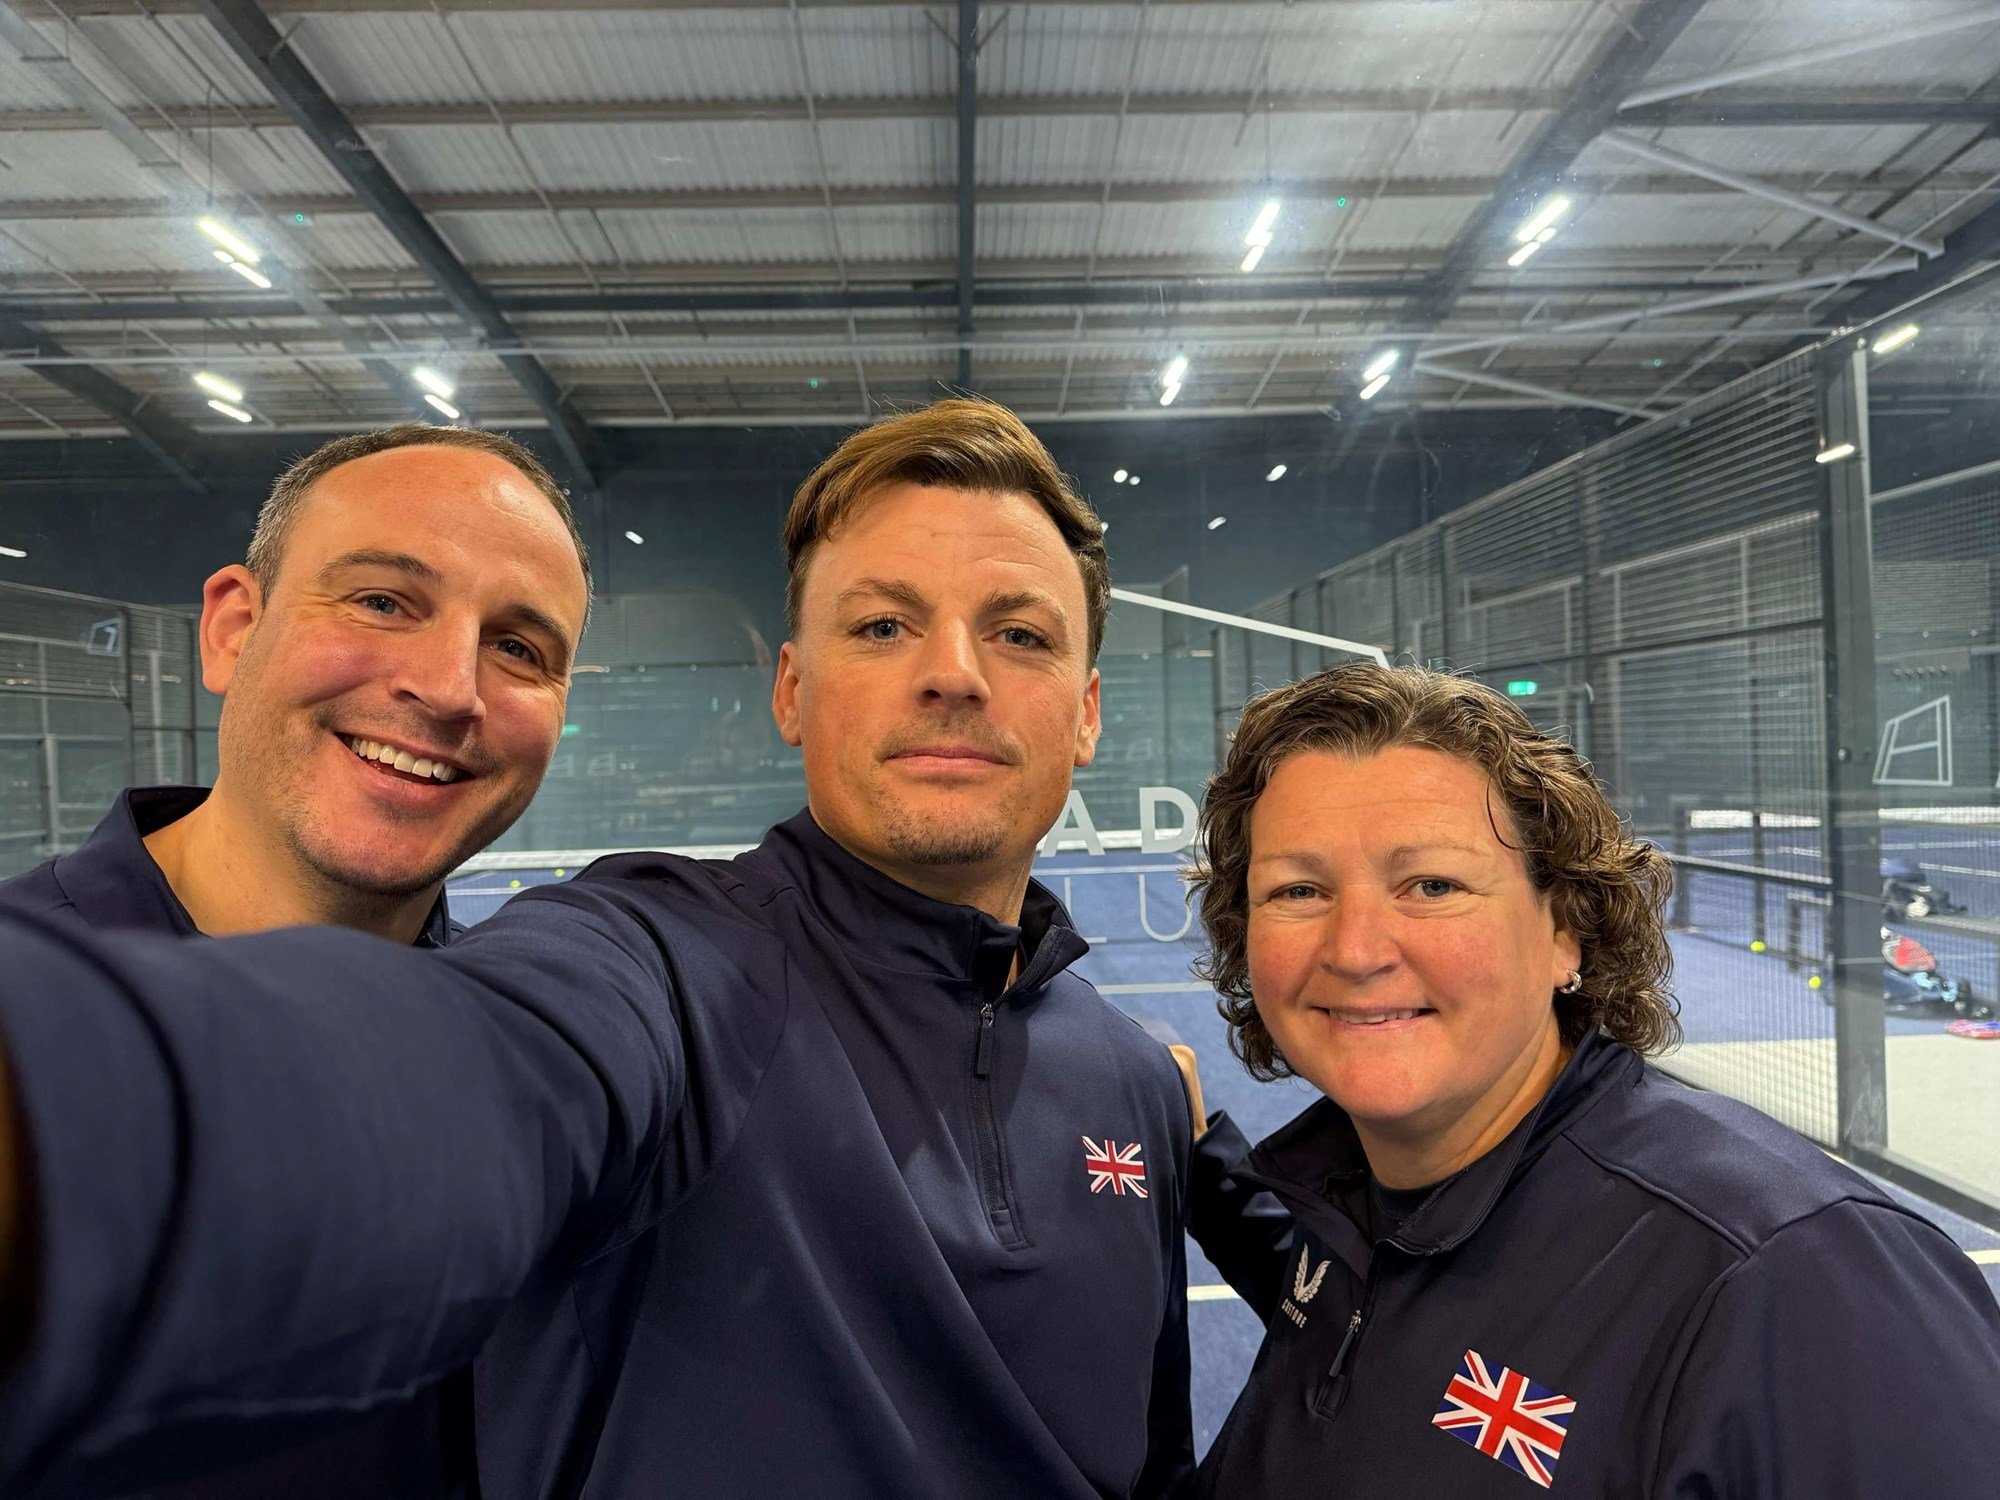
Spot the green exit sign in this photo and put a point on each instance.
(570, 729)
(1523, 689)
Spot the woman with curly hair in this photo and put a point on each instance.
(1508, 1247)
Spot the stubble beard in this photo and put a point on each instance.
(977, 838)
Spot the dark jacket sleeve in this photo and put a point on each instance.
(1853, 1356)
(303, 1171)
(1244, 1231)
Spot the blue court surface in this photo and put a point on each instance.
(1143, 943)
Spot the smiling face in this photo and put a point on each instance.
(428, 605)
(940, 685)
(1399, 954)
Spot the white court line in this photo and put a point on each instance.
(1984, 1257)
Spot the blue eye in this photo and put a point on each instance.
(880, 630)
(1436, 889)
(370, 601)
(1020, 635)
(519, 650)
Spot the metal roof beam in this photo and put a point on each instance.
(1642, 38)
(172, 445)
(1768, 112)
(1874, 41)
(53, 210)
(283, 73)
(1679, 161)
(968, 185)
(1974, 244)
(739, 111)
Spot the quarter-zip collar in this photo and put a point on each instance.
(1306, 1160)
(112, 881)
(899, 928)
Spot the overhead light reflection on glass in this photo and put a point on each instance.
(1543, 218)
(1119, 477)
(12, 552)
(215, 385)
(1277, 473)
(1893, 341)
(1218, 521)
(1834, 454)
(232, 411)
(229, 239)
(1382, 364)
(433, 382)
(634, 538)
(1256, 254)
(451, 413)
(252, 275)
(1374, 387)
(1520, 257)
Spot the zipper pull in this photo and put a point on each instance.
(1353, 1327)
(982, 1052)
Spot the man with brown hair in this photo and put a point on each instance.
(393, 661)
(808, 1172)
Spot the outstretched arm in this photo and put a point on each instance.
(303, 1171)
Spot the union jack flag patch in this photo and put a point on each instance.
(1114, 1166)
(1506, 1416)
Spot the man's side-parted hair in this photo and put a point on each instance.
(1605, 887)
(955, 444)
(289, 493)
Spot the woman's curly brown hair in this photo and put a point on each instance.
(1605, 887)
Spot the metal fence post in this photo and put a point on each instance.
(1851, 816)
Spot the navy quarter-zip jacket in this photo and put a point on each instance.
(1733, 1314)
(417, 1448)
(761, 1175)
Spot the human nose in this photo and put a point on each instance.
(1356, 941)
(439, 668)
(950, 670)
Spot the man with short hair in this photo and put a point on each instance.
(809, 1172)
(393, 661)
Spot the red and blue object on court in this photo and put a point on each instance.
(1977, 1031)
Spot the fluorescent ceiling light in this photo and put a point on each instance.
(1277, 473)
(251, 274)
(229, 239)
(1219, 520)
(1896, 340)
(1260, 228)
(1543, 218)
(1374, 387)
(1250, 260)
(451, 412)
(1382, 364)
(635, 539)
(224, 256)
(1133, 480)
(234, 413)
(215, 385)
(1176, 370)
(431, 381)
(1119, 477)
(1836, 452)
(1520, 256)
(1169, 395)
(12, 552)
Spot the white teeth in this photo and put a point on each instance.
(1393, 1015)
(402, 760)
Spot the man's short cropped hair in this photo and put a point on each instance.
(955, 444)
(288, 495)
